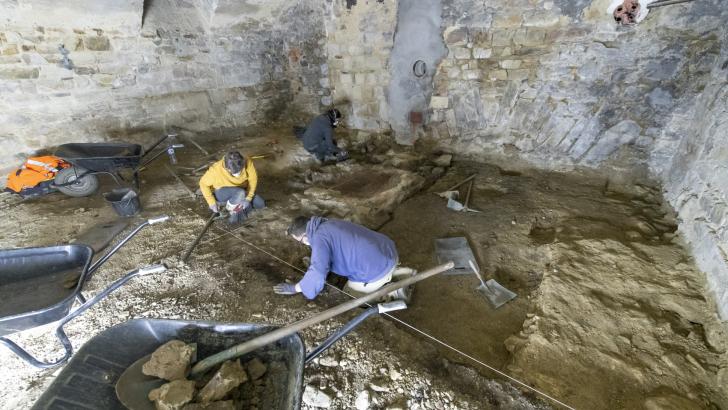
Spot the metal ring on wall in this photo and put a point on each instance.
(419, 69)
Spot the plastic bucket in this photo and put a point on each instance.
(125, 201)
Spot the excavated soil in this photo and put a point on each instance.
(610, 313)
(228, 280)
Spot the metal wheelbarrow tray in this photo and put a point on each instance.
(101, 157)
(39, 286)
(34, 284)
(89, 159)
(89, 380)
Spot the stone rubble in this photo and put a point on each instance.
(230, 375)
(256, 369)
(173, 395)
(316, 398)
(171, 361)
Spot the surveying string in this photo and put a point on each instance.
(433, 338)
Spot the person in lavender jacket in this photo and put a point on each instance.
(367, 258)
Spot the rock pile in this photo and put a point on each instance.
(219, 389)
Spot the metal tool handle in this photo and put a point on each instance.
(158, 219)
(344, 330)
(189, 250)
(391, 306)
(477, 273)
(260, 341)
(159, 141)
(151, 269)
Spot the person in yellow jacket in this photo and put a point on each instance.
(224, 184)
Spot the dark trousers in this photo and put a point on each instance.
(236, 196)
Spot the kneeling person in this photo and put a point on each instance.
(224, 184)
(318, 137)
(367, 258)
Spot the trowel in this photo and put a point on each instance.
(496, 294)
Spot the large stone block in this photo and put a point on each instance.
(482, 53)
(19, 73)
(502, 38)
(534, 37)
(510, 64)
(439, 102)
(461, 53)
(518, 75)
(456, 36)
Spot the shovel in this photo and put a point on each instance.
(496, 294)
(191, 248)
(448, 192)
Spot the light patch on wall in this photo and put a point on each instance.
(418, 38)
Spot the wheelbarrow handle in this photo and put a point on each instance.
(28, 358)
(159, 141)
(103, 259)
(344, 330)
(158, 219)
(115, 285)
(61, 335)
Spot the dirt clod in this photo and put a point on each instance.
(316, 398)
(230, 376)
(171, 361)
(256, 369)
(173, 395)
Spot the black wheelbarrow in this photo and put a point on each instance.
(90, 159)
(89, 381)
(39, 285)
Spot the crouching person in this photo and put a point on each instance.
(367, 258)
(318, 137)
(224, 185)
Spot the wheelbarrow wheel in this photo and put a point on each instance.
(68, 182)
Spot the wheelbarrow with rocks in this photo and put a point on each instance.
(146, 363)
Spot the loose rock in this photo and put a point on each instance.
(315, 397)
(443, 160)
(256, 369)
(173, 395)
(328, 361)
(230, 376)
(362, 400)
(171, 361)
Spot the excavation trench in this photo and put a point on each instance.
(609, 304)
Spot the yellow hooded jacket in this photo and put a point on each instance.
(218, 177)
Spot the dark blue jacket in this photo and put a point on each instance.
(319, 133)
(346, 249)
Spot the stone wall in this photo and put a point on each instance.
(359, 42)
(558, 83)
(195, 64)
(693, 164)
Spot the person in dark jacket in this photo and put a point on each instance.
(318, 137)
(367, 258)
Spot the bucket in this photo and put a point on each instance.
(125, 201)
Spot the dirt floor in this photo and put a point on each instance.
(610, 310)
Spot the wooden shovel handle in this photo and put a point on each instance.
(246, 347)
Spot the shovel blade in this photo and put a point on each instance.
(134, 386)
(496, 294)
